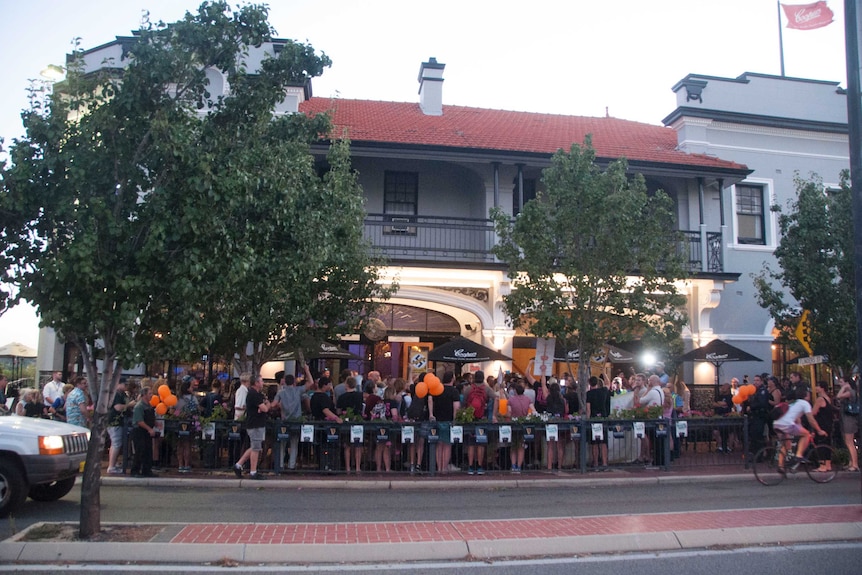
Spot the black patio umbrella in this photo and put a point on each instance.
(462, 350)
(610, 353)
(717, 352)
(325, 350)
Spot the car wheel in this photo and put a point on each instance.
(13, 488)
(52, 491)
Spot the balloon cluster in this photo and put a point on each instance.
(430, 384)
(743, 393)
(163, 400)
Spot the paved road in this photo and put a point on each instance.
(831, 559)
(206, 501)
(454, 520)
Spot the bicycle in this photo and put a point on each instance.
(768, 471)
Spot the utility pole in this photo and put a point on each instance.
(854, 124)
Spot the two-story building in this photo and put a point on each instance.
(432, 171)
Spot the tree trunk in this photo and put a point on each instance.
(91, 509)
(583, 377)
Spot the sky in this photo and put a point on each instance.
(584, 58)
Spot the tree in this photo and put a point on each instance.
(140, 207)
(312, 277)
(815, 257)
(592, 258)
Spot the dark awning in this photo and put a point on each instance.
(463, 350)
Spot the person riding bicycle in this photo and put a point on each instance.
(789, 424)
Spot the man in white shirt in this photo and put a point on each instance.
(241, 394)
(650, 451)
(53, 389)
(653, 396)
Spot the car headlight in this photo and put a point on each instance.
(50, 444)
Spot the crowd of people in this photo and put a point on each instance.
(507, 397)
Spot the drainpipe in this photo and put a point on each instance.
(496, 184)
(723, 223)
(704, 264)
(520, 188)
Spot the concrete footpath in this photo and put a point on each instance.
(332, 543)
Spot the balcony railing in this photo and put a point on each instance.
(404, 239)
(431, 239)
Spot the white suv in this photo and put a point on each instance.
(39, 458)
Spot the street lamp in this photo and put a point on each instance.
(53, 73)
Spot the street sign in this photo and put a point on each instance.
(813, 360)
(803, 332)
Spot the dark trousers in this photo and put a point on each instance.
(142, 461)
(756, 426)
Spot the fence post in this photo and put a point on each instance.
(582, 451)
(666, 442)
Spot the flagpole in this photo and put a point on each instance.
(780, 37)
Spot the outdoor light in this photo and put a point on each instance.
(53, 73)
(649, 359)
(499, 341)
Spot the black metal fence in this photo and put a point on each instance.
(293, 447)
(472, 240)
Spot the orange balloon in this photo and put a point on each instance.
(503, 406)
(155, 400)
(161, 409)
(751, 389)
(421, 389)
(164, 391)
(170, 400)
(435, 386)
(737, 399)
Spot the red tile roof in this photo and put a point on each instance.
(506, 131)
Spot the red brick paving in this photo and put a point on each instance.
(425, 531)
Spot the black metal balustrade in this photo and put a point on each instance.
(320, 446)
(404, 239)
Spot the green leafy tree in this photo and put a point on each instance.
(312, 277)
(593, 258)
(144, 213)
(815, 261)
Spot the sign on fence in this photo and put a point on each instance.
(307, 434)
(456, 434)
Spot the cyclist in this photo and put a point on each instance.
(789, 425)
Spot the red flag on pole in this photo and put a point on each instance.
(808, 16)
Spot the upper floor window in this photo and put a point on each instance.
(750, 215)
(400, 193)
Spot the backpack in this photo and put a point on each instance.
(416, 411)
(477, 400)
(779, 410)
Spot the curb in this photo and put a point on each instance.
(405, 484)
(35, 552)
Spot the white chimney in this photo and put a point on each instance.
(431, 87)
